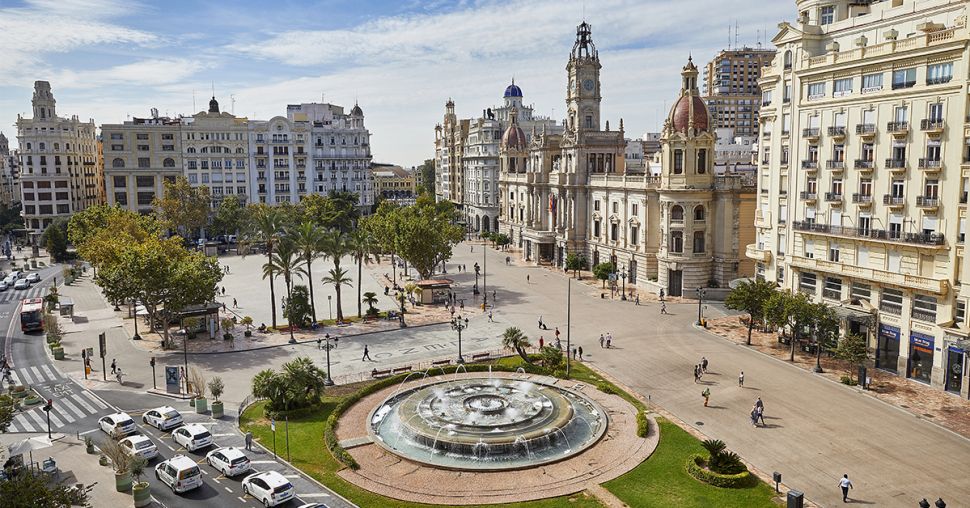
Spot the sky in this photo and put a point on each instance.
(401, 60)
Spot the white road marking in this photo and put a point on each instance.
(262, 462)
(36, 371)
(36, 417)
(291, 476)
(315, 494)
(169, 446)
(49, 372)
(228, 490)
(222, 435)
(241, 499)
(21, 422)
(63, 414)
(89, 431)
(23, 374)
(72, 407)
(80, 400)
(92, 398)
(55, 421)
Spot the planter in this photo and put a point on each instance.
(217, 409)
(248, 333)
(90, 448)
(103, 460)
(201, 405)
(142, 494)
(58, 352)
(123, 481)
(32, 400)
(20, 391)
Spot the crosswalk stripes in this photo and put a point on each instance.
(25, 376)
(17, 295)
(67, 403)
(67, 409)
(95, 400)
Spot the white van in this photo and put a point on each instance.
(180, 473)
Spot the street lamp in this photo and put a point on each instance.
(623, 296)
(329, 380)
(478, 270)
(701, 292)
(484, 279)
(330, 305)
(458, 324)
(818, 353)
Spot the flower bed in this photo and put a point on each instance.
(696, 467)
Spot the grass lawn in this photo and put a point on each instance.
(663, 481)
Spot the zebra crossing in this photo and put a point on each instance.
(17, 295)
(71, 402)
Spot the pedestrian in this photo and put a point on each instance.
(761, 414)
(661, 294)
(580, 353)
(707, 396)
(609, 341)
(473, 248)
(235, 304)
(319, 343)
(462, 305)
(759, 404)
(741, 379)
(493, 297)
(557, 333)
(366, 354)
(845, 484)
(696, 377)
(700, 372)
(249, 440)
(490, 317)
(227, 268)
(507, 260)
(663, 307)
(558, 344)
(574, 353)
(336, 340)
(704, 363)
(527, 279)
(118, 375)
(602, 340)
(542, 341)
(224, 307)
(223, 290)
(114, 366)
(540, 322)
(637, 301)
(754, 417)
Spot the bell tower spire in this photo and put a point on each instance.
(583, 71)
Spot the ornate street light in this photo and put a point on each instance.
(458, 324)
(329, 380)
(701, 292)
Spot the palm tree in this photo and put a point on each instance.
(265, 228)
(370, 298)
(513, 338)
(309, 241)
(338, 277)
(286, 262)
(362, 245)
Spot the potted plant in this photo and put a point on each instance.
(121, 462)
(216, 388)
(247, 321)
(198, 385)
(89, 444)
(103, 460)
(140, 491)
(227, 327)
(58, 351)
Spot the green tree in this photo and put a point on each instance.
(337, 245)
(286, 262)
(299, 384)
(298, 306)
(427, 177)
(34, 491)
(361, 245)
(183, 207)
(230, 217)
(270, 385)
(424, 233)
(853, 350)
(575, 263)
(750, 297)
(551, 357)
(603, 271)
(265, 228)
(370, 298)
(514, 339)
(54, 240)
(8, 410)
(10, 218)
(100, 233)
(337, 277)
(310, 242)
(793, 311)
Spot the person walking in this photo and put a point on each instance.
(527, 279)
(663, 307)
(707, 396)
(249, 440)
(760, 414)
(637, 301)
(574, 353)
(558, 344)
(235, 304)
(118, 375)
(580, 353)
(759, 404)
(319, 343)
(754, 417)
(741, 379)
(700, 371)
(845, 484)
(223, 290)
(661, 294)
(114, 366)
(542, 341)
(540, 323)
(366, 354)
(490, 317)
(696, 377)
(704, 363)
(602, 340)
(557, 333)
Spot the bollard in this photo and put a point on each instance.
(796, 499)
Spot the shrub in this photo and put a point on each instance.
(695, 466)
(643, 424)
(606, 388)
(847, 380)
(721, 460)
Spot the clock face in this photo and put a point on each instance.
(588, 85)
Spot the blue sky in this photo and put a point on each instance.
(402, 60)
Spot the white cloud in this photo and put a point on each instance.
(149, 72)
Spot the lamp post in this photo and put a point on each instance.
(700, 301)
(478, 270)
(458, 324)
(329, 380)
(818, 353)
(484, 279)
(623, 296)
(330, 305)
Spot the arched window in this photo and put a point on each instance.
(698, 242)
(118, 163)
(191, 149)
(677, 213)
(699, 213)
(168, 163)
(788, 59)
(677, 241)
(42, 146)
(240, 150)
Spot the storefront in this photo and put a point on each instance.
(955, 365)
(887, 350)
(920, 357)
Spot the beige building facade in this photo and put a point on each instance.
(863, 176)
(140, 155)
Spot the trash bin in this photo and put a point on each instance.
(796, 499)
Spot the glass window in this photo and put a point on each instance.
(677, 242)
(842, 87)
(816, 90)
(698, 242)
(677, 213)
(904, 78)
(807, 282)
(924, 308)
(827, 16)
(891, 301)
(833, 288)
(861, 291)
(939, 73)
(871, 82)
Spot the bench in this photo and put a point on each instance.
(377, 374)
(440, 363)
(480, 356)
(401, 370)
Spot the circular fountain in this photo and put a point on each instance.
(487, 424)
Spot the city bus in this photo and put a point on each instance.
(32, 314)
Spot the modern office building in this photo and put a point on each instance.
(730, 86)
(60, 163)
(140, 155)
(864, 176)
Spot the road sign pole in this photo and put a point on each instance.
(103, 347)
(272, 425)
(286, 425)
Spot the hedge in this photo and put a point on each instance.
(643, 424)
(728, 481)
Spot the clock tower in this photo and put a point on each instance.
(583, 95)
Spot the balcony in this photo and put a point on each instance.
(810, 165)
(898, 128)
(810, 133)
(929, 202)
(762, 219)
(833, 197)
(837, 131)
(835, 165)
(927, 284)
(866, 130)
(864, 165)
(896, 165)
(753, 251)
(862, 199)
(932, 125)
(923, 239)
(893, 201)
(808, 196)
(930, 165)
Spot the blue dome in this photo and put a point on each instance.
(513, 90)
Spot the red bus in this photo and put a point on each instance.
(32, 314)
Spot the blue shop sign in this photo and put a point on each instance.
(889, 332)
(921, 340)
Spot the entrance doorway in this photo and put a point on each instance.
(675, 279)
(887, 349)
(954, 369)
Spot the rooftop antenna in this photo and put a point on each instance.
(729, 37)
(193, 102)
(232, 99)
(213, 88)
(735, 34)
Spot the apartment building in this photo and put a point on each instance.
(863, 181)
(731, 91)
(394, 183)
(216, 153)
(140, 155)
(9, 174)
(61, 169)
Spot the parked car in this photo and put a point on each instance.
(162, 418)
(4, 286)
(9, 280)
(192, 436)
(230, 461)
(21, 284)
(180, 473)
(269, 488)
(117, 424)
(140, 445)
(33, 277)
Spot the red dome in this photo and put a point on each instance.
(682, 112)
(514, 138)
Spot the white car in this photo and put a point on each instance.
(21, 284)
(117, 425)
(229, 461)
(162, 418)
(192, 436)
(269, 488)
(180, 473)
(4, 286)
(33, 277)
(139, 445)
(10, 280)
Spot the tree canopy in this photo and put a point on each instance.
(750, 297)
(231, 217)
(423, 233)
(183, 207)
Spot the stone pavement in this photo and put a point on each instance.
(817, 429)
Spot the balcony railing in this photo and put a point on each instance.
(898, 127)
(896, 163)
(920, 283)
(927, 201)
(810, 132)
(862, 198)
(931, 124)
(930, 164)
(889, 199)
(837, 131)
(864, 164)
(929, 239)
(808, 196)
(865, 128)
(835, 164)
(833, 196)
(891, 308)
(809, 164)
